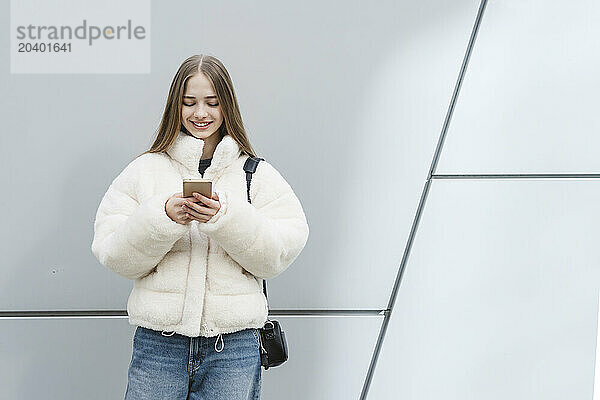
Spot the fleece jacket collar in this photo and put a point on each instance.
(187, 149)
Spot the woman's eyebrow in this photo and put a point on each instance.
(206, 97)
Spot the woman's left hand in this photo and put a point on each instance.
(203, 211)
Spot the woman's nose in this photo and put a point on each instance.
(200, 112)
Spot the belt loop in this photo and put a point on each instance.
(222, 342)
(171, 334)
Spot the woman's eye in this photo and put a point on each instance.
(190, 105)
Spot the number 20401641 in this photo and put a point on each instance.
(44, 47)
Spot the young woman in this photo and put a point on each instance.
(198, 262)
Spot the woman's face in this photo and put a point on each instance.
(199, 105)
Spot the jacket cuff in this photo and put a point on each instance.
(222, 210)
(159, 227)
(231, 226)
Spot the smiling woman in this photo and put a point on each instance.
(209, 255)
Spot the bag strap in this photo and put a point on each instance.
(250, 166)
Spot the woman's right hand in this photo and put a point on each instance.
(175, 210)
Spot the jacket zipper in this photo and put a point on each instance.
(205, 280)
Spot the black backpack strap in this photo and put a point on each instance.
(250, 167)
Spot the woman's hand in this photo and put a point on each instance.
(174, 209)
(204, 209)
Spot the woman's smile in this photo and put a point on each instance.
(201, 125)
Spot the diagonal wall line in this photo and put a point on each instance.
(416, 220)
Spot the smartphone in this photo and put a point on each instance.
(202, 186)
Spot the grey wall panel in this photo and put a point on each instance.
(500, 296)
(344, 101)
(89, 358)
(64, 358)
(530, 97)
(329, 357)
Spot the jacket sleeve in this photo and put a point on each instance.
(130, 237)
(264, 237)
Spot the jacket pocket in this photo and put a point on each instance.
(159, 297)
(161, 308)
(169, 275)
(226, 276)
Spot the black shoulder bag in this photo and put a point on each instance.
(273, 348)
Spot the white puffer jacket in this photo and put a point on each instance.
(199, 279)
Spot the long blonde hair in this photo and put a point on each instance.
(217, 74)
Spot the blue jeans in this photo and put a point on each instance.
(177, 367)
